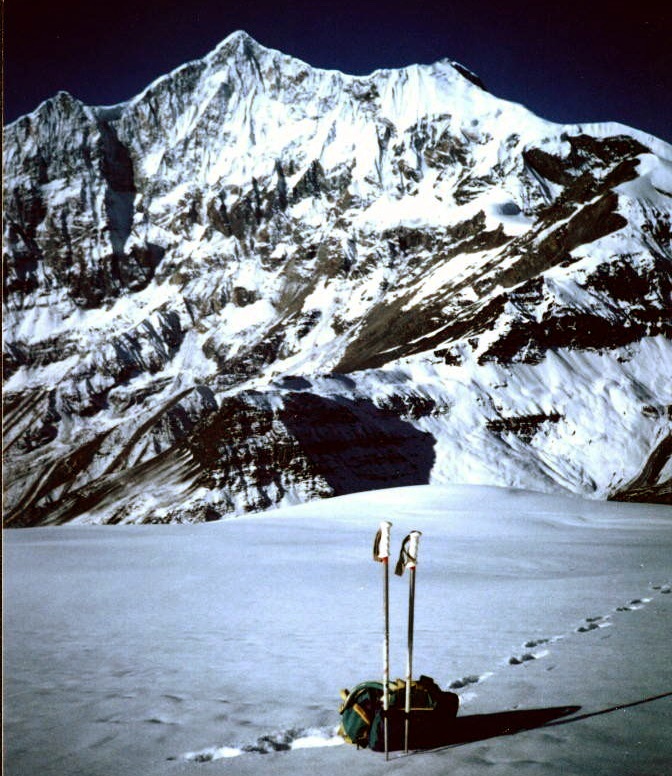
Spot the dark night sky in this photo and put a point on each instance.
(567, 62)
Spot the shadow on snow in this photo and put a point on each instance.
(478, 727)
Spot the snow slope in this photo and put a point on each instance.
(220, 648)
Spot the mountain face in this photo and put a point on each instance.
(260, 283)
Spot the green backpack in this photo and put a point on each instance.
(432, 711)
(358, 710)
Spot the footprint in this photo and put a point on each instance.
(636, 603)
(535, 643)
(280, 742)
(516, 661)
(593, 623)
(586, 628)
(465, 681)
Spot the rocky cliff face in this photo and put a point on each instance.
(259, 283)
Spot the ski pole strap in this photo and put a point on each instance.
(408, 557)
(381, 544)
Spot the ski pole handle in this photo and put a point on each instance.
(381, 544)
(413, 544)
(408, 557)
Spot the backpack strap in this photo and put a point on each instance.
(350, 698)
(359, 711)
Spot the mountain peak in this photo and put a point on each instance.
(238, 42)
(260, 282)
(62, 106)
(239, 37)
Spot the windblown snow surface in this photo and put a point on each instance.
(220, 648)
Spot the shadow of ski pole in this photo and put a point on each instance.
(610, 709)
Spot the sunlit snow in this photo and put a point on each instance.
(220, 648)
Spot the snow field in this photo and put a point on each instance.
(221, 647)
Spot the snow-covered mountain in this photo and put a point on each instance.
(258, 283)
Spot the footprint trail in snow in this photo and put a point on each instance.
(280, 741)
(310, 737)
(588, 625)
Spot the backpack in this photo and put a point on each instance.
(362, 716)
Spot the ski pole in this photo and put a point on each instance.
(381, 553)
(408, 559)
